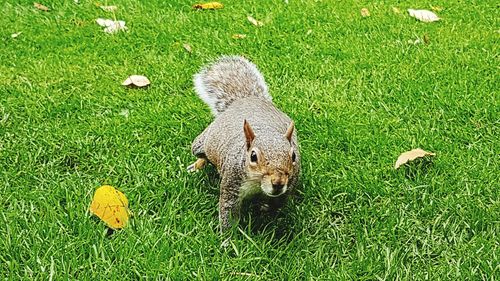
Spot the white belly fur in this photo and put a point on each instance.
(249, 188)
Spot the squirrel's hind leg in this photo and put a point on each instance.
(197, 148)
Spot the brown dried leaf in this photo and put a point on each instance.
(239, 36)
(365, 13)
(254, 21)
(209, 6)
(136, 81)
(188, 48)
(41, 7)
(427, 40)
(411, 155)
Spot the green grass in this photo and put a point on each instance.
(359, 92)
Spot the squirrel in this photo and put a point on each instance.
(252, 144)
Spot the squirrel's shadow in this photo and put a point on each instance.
(277, 222)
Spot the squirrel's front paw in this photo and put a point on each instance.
(197, 165)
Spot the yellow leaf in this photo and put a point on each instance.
(208, 6)
(111, 206)
(437, 8)
(396, 10)
(411, 155)
(41, 7)
(239, 36)
(365, 13)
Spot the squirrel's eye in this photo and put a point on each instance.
(294, 157)
(253, 157)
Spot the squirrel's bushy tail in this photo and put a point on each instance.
(228, 79)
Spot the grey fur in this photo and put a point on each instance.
(236, 92)
(230, 78)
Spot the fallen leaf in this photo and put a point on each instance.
(41, 7)
(125, 113)
(437, 8)
(111, 206)
(254, 21)
(136, 81)
(15, 35)
(396, 10)
(423, 15)
(309, 32)
(244, 274)
(111, 26)
(208, 6)
(426, 39)
(411, 155)
(188, 48)
(415, 42)
(239, 36)
(109, 8)
(365, 13)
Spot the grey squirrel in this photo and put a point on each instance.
(252, 144)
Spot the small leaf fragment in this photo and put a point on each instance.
(423, 15)
(41, 7)
(415, 42)
(208, 6)
(437, 8)
(255, 22)
(239, 36)
(187, 47)
(365, 13)
(396, 10)
(426, 39)
(109, 8)
(111, 26)
(15, 35)
(125, 113)
(136, 81)
(111, 206)
(411, 155)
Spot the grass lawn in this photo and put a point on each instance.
(361, 91)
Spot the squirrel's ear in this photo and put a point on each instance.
(289, 131)
(249, 135)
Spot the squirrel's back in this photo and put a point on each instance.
(228, 79)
